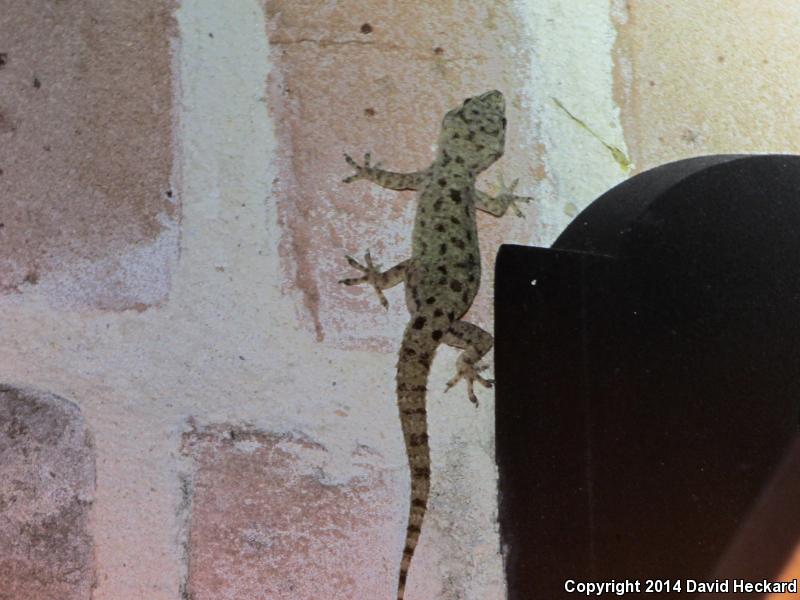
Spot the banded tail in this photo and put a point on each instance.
(416, 356)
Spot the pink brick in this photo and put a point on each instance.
(86, 151)
(264, 525)
(47, 481)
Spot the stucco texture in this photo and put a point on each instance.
(173, 224)
(86, 150)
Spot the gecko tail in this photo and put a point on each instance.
(413, 367)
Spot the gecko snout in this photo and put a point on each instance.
(495, 98)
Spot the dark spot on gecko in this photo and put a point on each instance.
(366, 28)
(445, 160)
(36, 83)
(419, 323)
(442, 269)
(425, 356)
(422, 472)
(407, 551)
(436, 335)
(458, 243)
(471, 135)
(440, 228)
(442, 248)
(438, 312)
(423, 222)
(455, 221)
(479, 147)
(464, 297)
(460, 160)
(413, 528)
(410, 352)
(455, 196)
(419, 438)
(455, 285)
(442, 280)
(451, 315)
(414, 411)
(504, 122)
(417, 503)
(456, 136)
(442, 181)
(462, 116)
(437, 205)
(370, 112)
(413, 440)
(430, 300)
(468, 234)
(471, 278)
(438, 50)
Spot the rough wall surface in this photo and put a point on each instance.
(260, 511)
(200, 148)
(47, 479)
(88, 211)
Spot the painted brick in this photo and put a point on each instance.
(265, 524)
(86, 209)
(47, 482)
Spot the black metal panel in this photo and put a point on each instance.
(647, 376)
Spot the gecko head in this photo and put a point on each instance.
(474, 133)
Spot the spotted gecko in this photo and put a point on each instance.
(441, 277)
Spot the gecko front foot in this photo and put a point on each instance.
(508, 198)
(372, 276)
(364, 172)
(471, 373)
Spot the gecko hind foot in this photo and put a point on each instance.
(470, 373)
(372, 276)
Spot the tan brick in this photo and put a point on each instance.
(264, 524)
(47, 481)
(86, 151)
(707, 77)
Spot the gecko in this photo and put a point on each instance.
(442, 276)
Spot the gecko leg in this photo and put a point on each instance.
(475, 343)
(374, 277)
(387, 179)
(498, 205)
